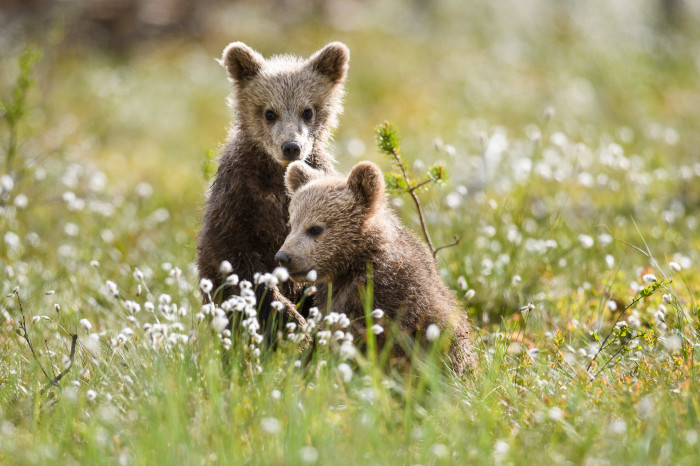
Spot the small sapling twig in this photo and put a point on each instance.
(644, 293)
(388, 142)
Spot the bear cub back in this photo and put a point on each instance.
(285, 109)
(339, 226)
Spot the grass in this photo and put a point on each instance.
(573, 174)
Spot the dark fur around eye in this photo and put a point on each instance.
(307, 114)
(270, 115)
(314, 230)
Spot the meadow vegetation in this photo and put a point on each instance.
(570, 136)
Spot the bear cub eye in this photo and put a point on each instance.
(270, 115)
(314, 230)
(307, 114)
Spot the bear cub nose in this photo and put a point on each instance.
(283, 258)
(291, 150)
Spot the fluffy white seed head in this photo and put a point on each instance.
(311, 276)
(226, 268)
(432, 333)
(281, 274)
(345, 372)
(206, 285)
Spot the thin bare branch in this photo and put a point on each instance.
(415, 201)
(54, 382)
(449, 245)
(420, 185)
(25, 334)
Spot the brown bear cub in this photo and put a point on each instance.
(338, 226)
(285, 110)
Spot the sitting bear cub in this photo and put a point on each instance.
(338, 227)
(286, 108)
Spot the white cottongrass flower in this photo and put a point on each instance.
(148, 306)
(440, 450)
(650, 278)
(219, 323)
(311, 276)
(345, 372)
(555, 414)
(666, 298)
(612, 305)
(343, 321)
(527, 307)
(21, 201)
(462, 282)
(6, 183)
(586, 241)
(277, 306)
(432, 333)
(271, 425)
(609, 261)
(377, 329)
(276, 395)
(377, 314)
(500, 451)
(281, 274)
(36, 319)
(94, 263)
(308, 454)
(206, 285)
(470, 294)
(91, 395)
(112, 288)
(138, 275)
(291, 326)
(225, 268)
(85, 324)
(132, 307)
(618, 427)
(347, 350)
(675, 266)
(232, 280)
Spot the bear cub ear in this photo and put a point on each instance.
(241, 62)
(299, 174)
(366, 181)
(331, 61)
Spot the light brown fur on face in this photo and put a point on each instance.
(339, 226)
(287, 86)
(246, 215)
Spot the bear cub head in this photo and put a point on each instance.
(285, 105)
(331, 219)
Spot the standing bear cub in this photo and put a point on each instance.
(338, 226)
(285, 110)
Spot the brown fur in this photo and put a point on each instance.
(245, 219)
(357, 228)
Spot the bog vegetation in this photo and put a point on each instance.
(570, 138)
